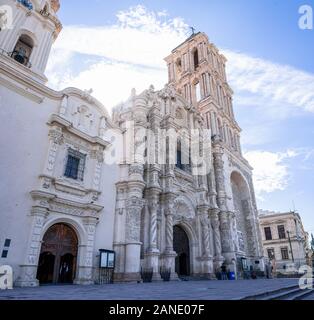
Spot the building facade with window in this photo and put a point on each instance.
(285, 242)
(67, 192)
(57, 195)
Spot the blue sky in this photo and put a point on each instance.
(121, 44)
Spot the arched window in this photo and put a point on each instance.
(195, 59)
(220, 129)
(198, 94)
(23, 50)
(179, 156)
(183, 157)
(179, 65)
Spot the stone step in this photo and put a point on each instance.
(192, 278)
(287, 295)
(266, 295)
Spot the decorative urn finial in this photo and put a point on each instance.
(55, 5)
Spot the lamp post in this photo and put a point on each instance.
(288, 232)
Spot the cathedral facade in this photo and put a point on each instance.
(71, 187)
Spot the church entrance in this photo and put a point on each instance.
(182, 247)
(57, 261)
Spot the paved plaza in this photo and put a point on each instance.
(176, 290)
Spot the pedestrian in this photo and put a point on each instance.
(224, 272)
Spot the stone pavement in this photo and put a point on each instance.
(176, 290)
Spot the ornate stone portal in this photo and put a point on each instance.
(219, 220)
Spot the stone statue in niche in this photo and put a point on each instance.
(241, 241)
(235, 231)
(64, 105)
(84, 118)
(179, 114)
(102, 127)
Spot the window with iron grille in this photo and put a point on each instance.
(7, 243)
(281, 232)
(271, 254)
(75, 165)
(268, 235)
(284, 254)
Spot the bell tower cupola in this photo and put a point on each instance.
(28, 29)
(197, 70)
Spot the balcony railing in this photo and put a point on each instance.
(26, 3)
(15, 55)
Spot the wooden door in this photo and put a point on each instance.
(57, 263)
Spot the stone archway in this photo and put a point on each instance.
(241, 201)
(181, 246)
(58, 256)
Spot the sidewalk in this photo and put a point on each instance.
(176, 290)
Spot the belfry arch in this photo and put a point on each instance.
(241, 201)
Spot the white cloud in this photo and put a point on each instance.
(271, 170)
(136, 45)
(126, 55)
(277, 83)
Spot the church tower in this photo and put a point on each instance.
(28, 30)
(197, 71)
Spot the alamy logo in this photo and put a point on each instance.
(306, 19)
(6, 278)
(6, 17)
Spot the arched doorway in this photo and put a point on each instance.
(241, 197)
(57, 261)
(182, 247)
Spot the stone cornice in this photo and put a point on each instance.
(21, 73)
(53, 203)
(239, 160)
(69, 127)
(29, 81)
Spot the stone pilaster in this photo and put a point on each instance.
(85, 267)
(207, 257)
(133, 245)
(28, 271)
(225, 221)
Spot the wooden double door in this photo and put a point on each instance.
(182, 247)
(58, 257)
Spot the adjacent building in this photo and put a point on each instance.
(285, 242)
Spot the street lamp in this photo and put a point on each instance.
(289, 238)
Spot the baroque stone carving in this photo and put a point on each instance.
(205, 235)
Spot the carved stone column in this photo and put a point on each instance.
(227, 244)
(170, 254)
(153, 207)
(220, 177)
(207, 258)
(225, 222)
(153, 251)
(218, 258)
(133, 244)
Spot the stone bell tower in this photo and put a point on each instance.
(197, 70)
(28, 31)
